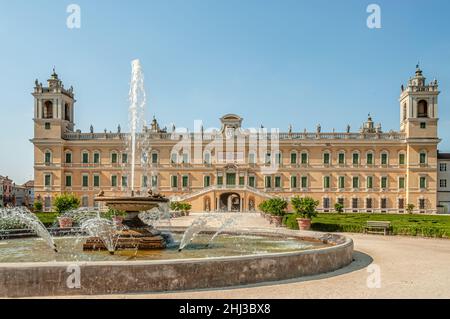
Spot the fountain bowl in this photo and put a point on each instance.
(131, 204)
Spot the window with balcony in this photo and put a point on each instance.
(68, 158)
(96, 158)
(85, 157)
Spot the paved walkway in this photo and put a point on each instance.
(409, 268)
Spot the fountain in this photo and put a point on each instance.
(137, 234)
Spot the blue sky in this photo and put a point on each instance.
(272, 62)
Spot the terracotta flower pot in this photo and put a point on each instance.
(277, 220)
(65, 222)
(118, 221)
(304, 223)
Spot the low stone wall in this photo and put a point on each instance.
(90, 278)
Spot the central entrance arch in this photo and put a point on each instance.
(230, 202)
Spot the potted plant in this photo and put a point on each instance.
(64, 203)
(181, 207)
(276, 207)
(339, 208)
(306, 209)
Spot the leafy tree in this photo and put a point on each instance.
(410, 208)
(306, 207)
(38, 206)
(274, 206)
(180, 206)
(66, 202)
(339, 208)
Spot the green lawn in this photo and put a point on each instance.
(405, 224)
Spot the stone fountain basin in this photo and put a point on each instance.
(131, 204)
(115, 277)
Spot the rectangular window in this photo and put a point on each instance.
(384, 159)
(293, 181)
(401, 159)
(341, 182)
(85, 181)
(421, 203)
(85, 201)
(185, 181)
(443, 183)
(326, 182)
(124, 158)
(354, 203)
(251, 181)
(423, 182)
(96, 180)
(293, 158)
(355, 158)
(124, 181)
(341, 158)
(326, 203)
(48, 157)
(423, 158)
(369, 159)
(114, 181)
(277, 181)
(154, 158)
(369, 182)
(241, 180)
(114, 158)
(144, 181)
(401, 183)
(341, 201)
(220, 180)
(85, 158)
(206, 181)
(68, 181)
(401, 203)
(278, 159)
(68, 158)
(443, 167)
(383, 203)
(96, 158)
(251, 159)
(369, 203)
(268, 159)
(185, 158)
(174, 181)
(384, 181)
(154, 181)
(423, 125)
(48, 126)
(355, 182)
(231, 179)
(304, 158)
(326, 158)
(304, 182)
(268, 180)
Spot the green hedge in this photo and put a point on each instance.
(410, 225)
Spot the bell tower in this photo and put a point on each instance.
(419, 108)
(53, 108)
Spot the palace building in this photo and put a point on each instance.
(235, 169)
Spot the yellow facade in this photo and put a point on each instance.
(234, 168)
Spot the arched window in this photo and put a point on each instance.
(422, 108)
(48, 110)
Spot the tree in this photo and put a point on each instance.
(306, 207)
(38, 206)
(274, 206)
(339, 208)
(410, 208)
(66, 202)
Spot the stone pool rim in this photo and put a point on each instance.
(31, 279)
